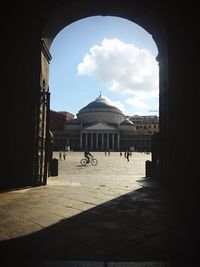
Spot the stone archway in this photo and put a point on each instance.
(140, 15)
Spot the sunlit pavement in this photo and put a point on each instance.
(101, 214)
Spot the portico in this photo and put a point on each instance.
(99, 137)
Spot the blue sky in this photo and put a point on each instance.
(108, 54)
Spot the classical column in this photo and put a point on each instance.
(113, 140)
(81, 141)
(96, 140)
(108, 141)
(99, 140)
(118, 141)
(86, 140)
(102, 139)
(91, 141)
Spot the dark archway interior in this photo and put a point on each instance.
(174, 29)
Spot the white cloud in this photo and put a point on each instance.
(143, 102)
(136, 103)
(122, 67)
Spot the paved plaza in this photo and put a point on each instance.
(104, 213)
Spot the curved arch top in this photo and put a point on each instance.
(78, 10)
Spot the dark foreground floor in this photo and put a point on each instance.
(141, 228)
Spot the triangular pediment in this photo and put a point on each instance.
(100, 126)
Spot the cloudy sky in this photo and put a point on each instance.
(107, 55)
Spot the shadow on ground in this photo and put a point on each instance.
(143, 225)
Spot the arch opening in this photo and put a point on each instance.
(153, 26)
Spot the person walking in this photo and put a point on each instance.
(127, 156)
(64, 155)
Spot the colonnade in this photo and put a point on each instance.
(99, 141)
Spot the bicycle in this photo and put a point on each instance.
(92, 160)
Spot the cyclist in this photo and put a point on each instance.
(87, 155)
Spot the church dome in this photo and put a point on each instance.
(100, 104)
(100, 110)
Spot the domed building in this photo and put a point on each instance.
(100, 126)
(100, 110)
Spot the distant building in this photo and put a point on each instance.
(56, 121)
(146, 124)
(68, 116)
(99, 126)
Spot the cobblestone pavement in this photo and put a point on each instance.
(109, 212)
